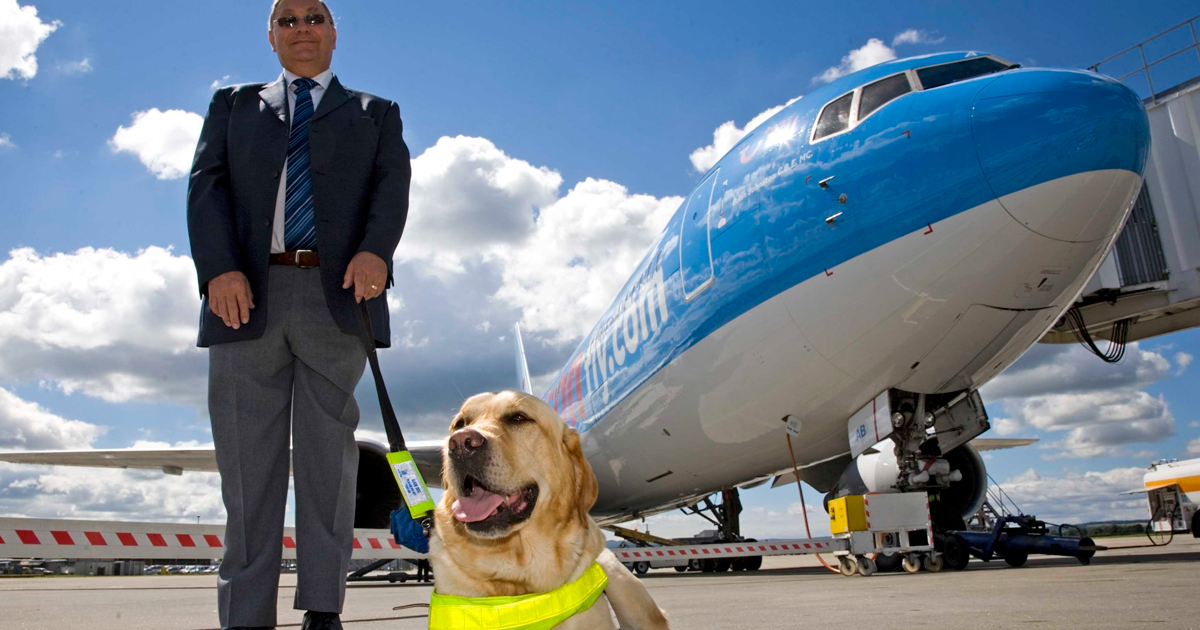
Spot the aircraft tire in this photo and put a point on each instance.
(1016, 558)
(1196, 525)
(708, 566)
(737, 564)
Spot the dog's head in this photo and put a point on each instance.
(510, 463)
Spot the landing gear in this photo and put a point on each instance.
(726, 516)
(924, 428)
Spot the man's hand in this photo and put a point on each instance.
(367, 273)
(230, 299)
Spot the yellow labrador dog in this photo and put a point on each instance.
(513, 519)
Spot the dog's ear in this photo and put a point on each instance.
(585, 480)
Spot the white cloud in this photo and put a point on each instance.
(28, 426)
(1194, 424)
(6, 141)
(219, 82)
(76, 67)
(165, 142)
(872, 53)
(727, 135)
(1079, 498)
(583, 248)
(1183, 360)
(111, 325)
(109, 494)
(558, 260)
(1006, 426)
(1100, 407)
(1054, 368)
(914, 36)
(1193, 447)
(468, 197)
(21, 32)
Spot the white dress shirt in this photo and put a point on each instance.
(323, 80)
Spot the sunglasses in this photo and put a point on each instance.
(290, 21)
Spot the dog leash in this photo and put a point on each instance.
(404, 469)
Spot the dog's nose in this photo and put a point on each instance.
(466, 441)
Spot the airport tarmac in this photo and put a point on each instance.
(1123, 588)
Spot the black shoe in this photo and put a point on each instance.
(321, 621)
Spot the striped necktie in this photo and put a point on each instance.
(299, 229)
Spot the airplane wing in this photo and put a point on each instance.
(996, 444)
(427, 454)
(1138, 491)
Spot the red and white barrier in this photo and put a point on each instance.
(732, 550)
(114, 540)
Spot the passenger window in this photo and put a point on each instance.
(835, 117)
(947, 73)
(879, 93)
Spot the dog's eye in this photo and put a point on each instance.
(458, 424)
(517, 418)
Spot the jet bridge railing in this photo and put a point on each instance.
(1146, 67)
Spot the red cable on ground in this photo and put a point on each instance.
(803, 508)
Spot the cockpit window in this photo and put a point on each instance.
(880, 93)
(835, 117)
(947, 73)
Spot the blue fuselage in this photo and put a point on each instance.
(782, 208)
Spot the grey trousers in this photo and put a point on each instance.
(295, 382)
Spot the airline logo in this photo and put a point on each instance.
(617, 343)
(640, 315)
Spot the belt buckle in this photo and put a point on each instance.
(298, 263)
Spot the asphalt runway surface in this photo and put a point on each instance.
(1123, 588)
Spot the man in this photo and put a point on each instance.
(297, 200)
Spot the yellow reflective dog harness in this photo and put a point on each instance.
(539, 611)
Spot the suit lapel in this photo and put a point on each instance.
(335, 97)
(275, 96)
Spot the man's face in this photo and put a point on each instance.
(305, 49)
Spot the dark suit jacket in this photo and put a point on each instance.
(360, 178)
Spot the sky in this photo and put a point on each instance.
(551, 141)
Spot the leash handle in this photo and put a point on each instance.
(408, 476)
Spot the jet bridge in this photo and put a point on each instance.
(1149, 284)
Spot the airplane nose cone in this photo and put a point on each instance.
(1063, 150)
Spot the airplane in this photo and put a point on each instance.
(853, 270)
(1172, 490)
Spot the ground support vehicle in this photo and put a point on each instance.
(895, 524)
(1013, 538)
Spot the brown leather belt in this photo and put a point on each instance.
(302, 258)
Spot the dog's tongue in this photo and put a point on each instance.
(480, 505)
